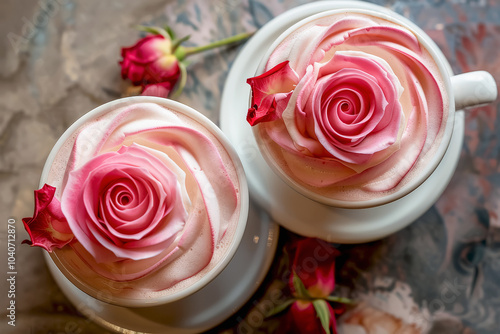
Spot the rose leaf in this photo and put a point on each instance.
(323, 313)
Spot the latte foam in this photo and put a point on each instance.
(213, 203)
(367, 114)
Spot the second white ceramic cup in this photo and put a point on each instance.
(463, 90)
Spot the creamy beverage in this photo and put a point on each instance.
(153, 197)
(360, 111)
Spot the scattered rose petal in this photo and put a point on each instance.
(269, 90)
(48, 227)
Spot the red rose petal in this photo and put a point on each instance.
(267, 89)
(48, 227)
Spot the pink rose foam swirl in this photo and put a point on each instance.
(150, 196)
(361, 104)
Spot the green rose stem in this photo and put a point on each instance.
(226, 41)
(182, 52)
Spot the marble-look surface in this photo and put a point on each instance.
(59, 59)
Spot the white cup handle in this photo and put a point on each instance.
(473, 89)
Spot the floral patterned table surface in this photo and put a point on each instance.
(59, 59)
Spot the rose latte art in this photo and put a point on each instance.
(362, 107)
(152, 197)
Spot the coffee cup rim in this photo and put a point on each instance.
(243, 210)
(444, 68)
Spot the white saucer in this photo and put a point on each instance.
(201, 311)
(289, 208)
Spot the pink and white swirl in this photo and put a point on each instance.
(366, 109)
(148, 194)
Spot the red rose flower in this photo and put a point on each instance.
(151, 60)
(156, 63)
(313, 262)
(311, 282)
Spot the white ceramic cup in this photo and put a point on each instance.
(109, 296)
(463, 90)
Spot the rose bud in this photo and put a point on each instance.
(151, 60)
